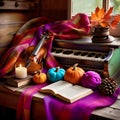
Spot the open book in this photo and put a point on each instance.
(66, 91)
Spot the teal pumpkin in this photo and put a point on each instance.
(55, 74)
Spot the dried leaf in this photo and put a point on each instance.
(104, 24)
(101, 14)
(115, 21)
(97, 10)
(93, 16)
(107, 15)
(103, 19)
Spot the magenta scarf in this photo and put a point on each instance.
(71, 29)
(24, 104)
(80, 110)
(59, 110)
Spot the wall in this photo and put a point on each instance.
(56, 9)
(14, 14)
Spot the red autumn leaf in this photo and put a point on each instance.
(115, 21)
(97, 16)
(107, 15)
(101, 14)
(104, 24)
(103, 19)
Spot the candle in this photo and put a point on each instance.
(21, 72)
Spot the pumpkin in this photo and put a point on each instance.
(55, 74)
(39, 77)
(74, 74)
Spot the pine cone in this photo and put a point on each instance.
(108, 86)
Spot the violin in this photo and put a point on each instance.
(34, 56)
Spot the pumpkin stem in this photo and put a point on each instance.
(57, 68)
(38, 71)
(74, 66)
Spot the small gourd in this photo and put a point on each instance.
(74, 74)
(55, 74)
(39, 77)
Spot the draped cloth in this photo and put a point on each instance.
(74, 28)
(79, 110)
(60, 110)
(24, 104)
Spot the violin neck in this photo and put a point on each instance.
(39, 45)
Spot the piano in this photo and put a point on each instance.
(103, 58)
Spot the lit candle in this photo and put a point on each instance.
(21, 72)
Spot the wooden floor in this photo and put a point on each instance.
(9, 99)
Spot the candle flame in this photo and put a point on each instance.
(20, 65)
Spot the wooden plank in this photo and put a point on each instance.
(7, 33)
(10, 22)
(116, 105)
(57, 10)
(107, 113)
(12, 17)
(21, 5)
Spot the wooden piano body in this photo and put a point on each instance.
(103, 58)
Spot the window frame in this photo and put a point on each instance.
(105, 4)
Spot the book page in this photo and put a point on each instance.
(55, 87)
(73, 93)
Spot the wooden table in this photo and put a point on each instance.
(9, 98)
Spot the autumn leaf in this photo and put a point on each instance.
(115, 21)
(107, 15)
(104, 24)
(102, 18)
(97, 16)
(101, 14)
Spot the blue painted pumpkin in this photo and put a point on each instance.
(55, 74)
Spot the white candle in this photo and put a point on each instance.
(21, 72)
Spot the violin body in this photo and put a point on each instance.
(33, 57)
(36, 62)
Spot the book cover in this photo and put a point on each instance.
(18, 82)
(66, 91)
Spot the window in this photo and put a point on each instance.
(83, 6)
(116, 4)
(87, 6)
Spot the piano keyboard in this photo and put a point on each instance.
(88, 59)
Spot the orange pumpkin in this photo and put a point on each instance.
(39, 78)
(74, 74)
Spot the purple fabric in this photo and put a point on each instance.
(24, 103)
(91, 79)
(79, 110)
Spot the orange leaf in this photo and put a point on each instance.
(102, 18)
(104, 24)
(93, 16)
(101, 13)
(97, 10)
(107, 15)
(115, 21)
